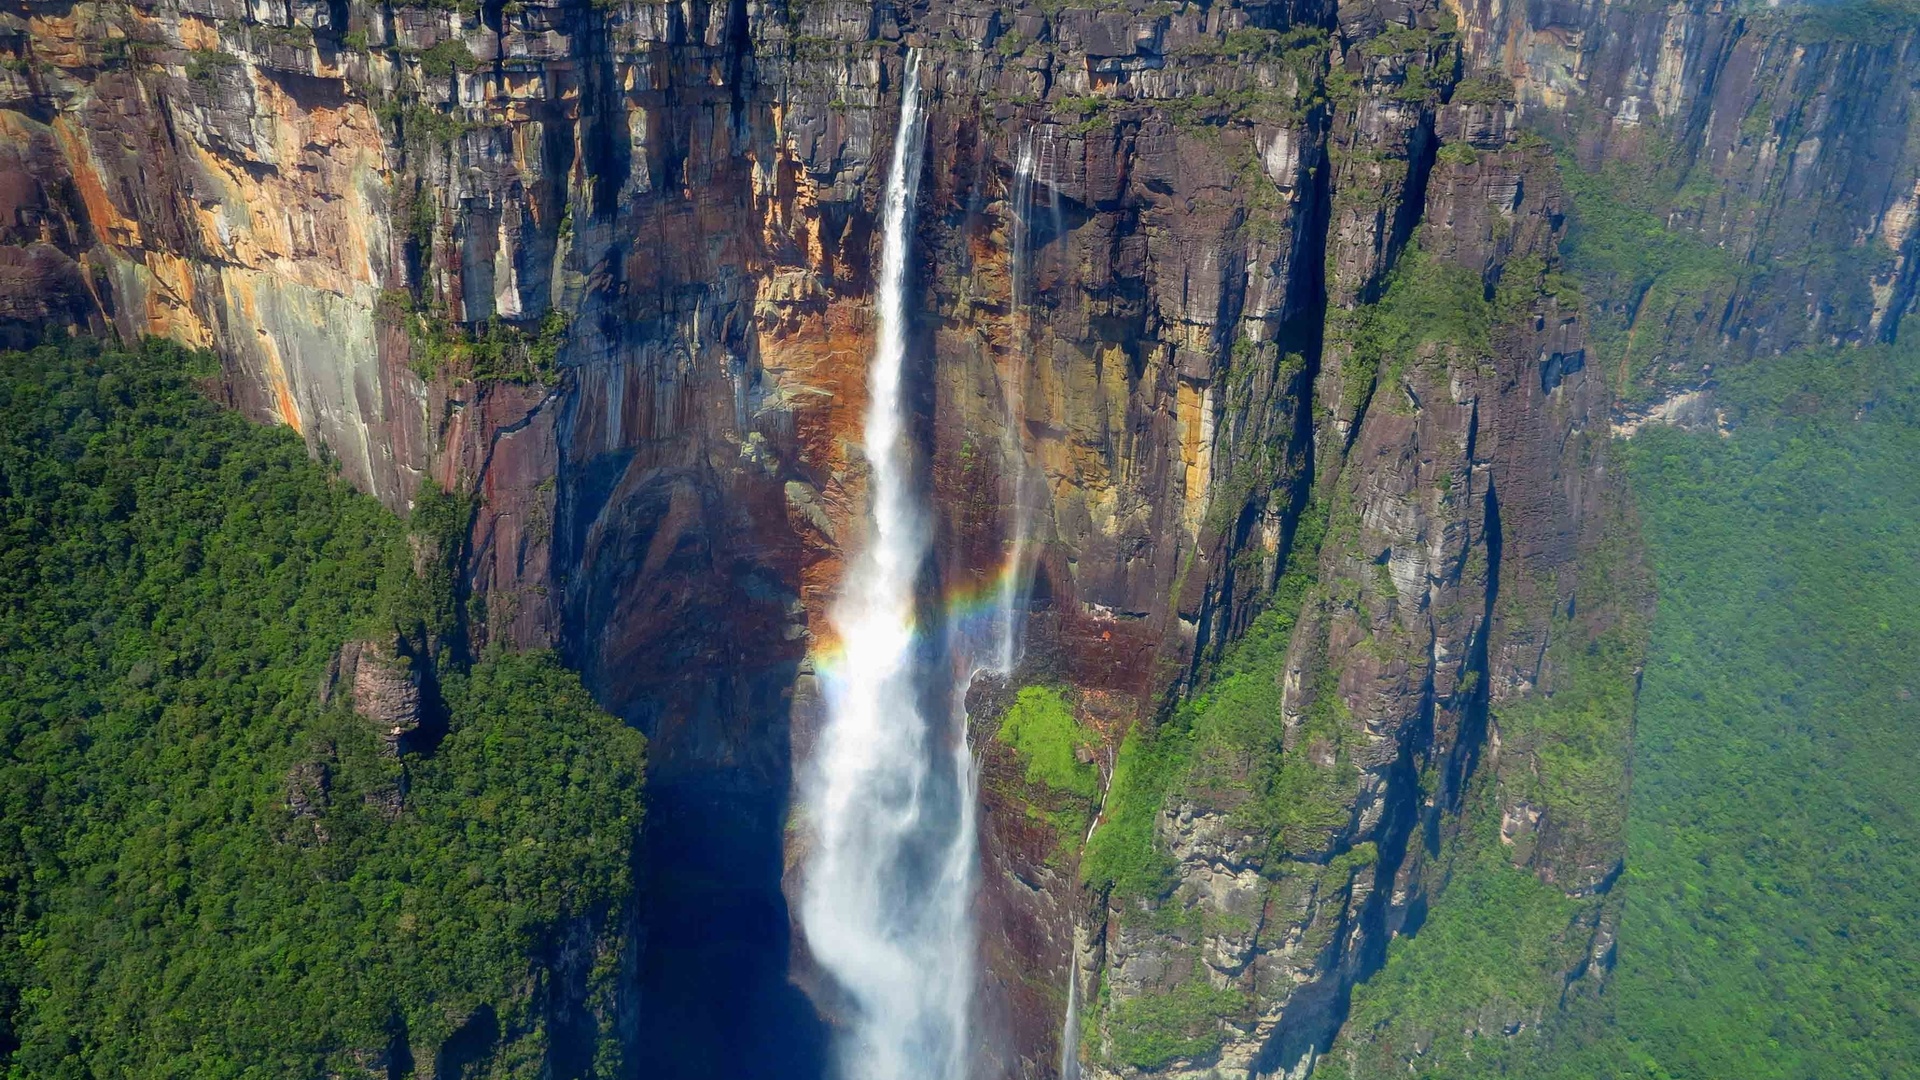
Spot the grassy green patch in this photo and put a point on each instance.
(1155, 1029)
(1042, 729)
(1233, 725)
(1125, 853)
(1221, 746)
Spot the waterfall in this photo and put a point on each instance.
(1070, 1031)
(889, 880)
(1013, 575)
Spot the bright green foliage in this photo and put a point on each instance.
(1235, 726)
(446, 57)
(1222, 745)
(209, 873)
(1059, 789)
(1426, 302)
(1124, 852)
(1236, 759)
(1154, 1029)
(1041, 728)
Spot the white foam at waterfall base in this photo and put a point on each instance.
(888, 887)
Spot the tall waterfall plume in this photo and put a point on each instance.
(887, 897)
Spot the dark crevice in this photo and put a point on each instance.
(399, 1054)
(1406, 219)
(1317, 1011)
(1301, 331)
(739, 70)
(1310, 1022)
(605, 141)
(1413, 205)
(470, 1049)
(1473, 722)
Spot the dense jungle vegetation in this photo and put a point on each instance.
(206, 871)
(1773, 836)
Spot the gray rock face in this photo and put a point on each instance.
(382, 687)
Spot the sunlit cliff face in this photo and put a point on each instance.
(1108, 342)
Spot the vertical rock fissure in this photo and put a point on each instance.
(1473, 721)
(888, 886)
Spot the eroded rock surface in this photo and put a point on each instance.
(608, 269)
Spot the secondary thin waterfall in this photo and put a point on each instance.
(1070, 1031)
(1013, 575)
(1013, 579)
(889, 883)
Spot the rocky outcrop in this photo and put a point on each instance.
(382, 687)
(607, 268)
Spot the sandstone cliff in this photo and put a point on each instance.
(608, 266)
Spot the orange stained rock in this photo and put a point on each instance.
(105, 217)
(197, 32)
(170, 311)
(1196, 448)
(821, 364)
(275, 369)
(56, 40)
(329, 200)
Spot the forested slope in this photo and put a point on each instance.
(1768, 931)
(230, 847)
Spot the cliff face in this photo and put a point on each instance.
(609, 268)
(1777, 145)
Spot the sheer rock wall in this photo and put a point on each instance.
(319, 191)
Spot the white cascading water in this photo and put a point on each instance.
(1013, 575)
(1070, 1031)
(1013, 581)
(889, 884)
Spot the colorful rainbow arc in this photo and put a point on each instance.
(968, 611)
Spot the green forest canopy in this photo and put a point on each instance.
(1769, 930)
(173, 583)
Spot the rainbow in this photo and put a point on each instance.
(969, 612)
